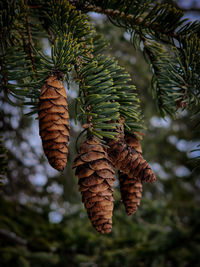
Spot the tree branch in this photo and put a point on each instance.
(130, 18)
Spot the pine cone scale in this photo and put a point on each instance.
(85, 172)
(91, 180)
(105, 173)
(95, 148)
(101, 164)
(92, 155)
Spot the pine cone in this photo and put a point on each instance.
(131, 188)
(96, 178)
(54, 122)
(129, 161)
(131, 192)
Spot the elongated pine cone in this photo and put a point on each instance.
(127, 160)
(96, 178)
(131, 192)
(54, 122)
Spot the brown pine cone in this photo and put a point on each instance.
(127, 160)
(131, 192)
(54, 122)
(96, 178)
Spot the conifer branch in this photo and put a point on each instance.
(141, 18)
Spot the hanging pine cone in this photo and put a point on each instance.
(131, 188)
(127, 160)
(96, 178)
(54, 122)
(131, 192)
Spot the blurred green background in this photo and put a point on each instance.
(42, 219)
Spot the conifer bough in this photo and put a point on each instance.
(96, 178)
(54, 122)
